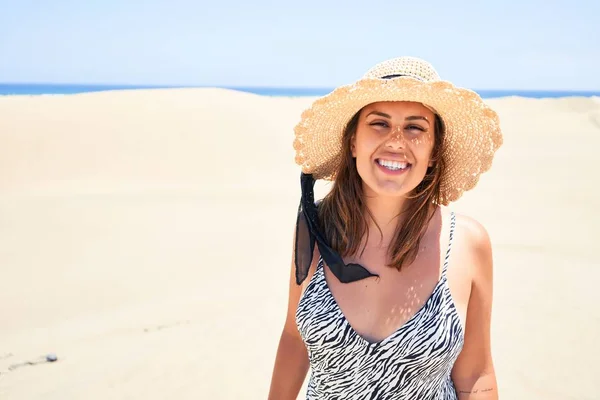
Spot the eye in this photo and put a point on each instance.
(382, 124)
(415, 127)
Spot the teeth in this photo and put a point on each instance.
(393, 165)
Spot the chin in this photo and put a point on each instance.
(392, 192)
(392, 188)
(387, 188)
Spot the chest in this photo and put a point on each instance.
(377, 307)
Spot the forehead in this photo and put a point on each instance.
(399, 107)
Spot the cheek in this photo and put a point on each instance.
(424, 149)
(364, 145)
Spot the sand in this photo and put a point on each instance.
(145, 239)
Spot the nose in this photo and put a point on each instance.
(395, 139)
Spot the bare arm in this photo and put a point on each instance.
(473, 373)
(291, 361)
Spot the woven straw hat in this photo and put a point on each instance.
(472, 129)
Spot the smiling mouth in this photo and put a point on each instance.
(393, 165)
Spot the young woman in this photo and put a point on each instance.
(390, 293)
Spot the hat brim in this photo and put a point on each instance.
(472, 134)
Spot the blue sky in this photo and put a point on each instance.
(505, 44)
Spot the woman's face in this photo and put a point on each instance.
(392, 147)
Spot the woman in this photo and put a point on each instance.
(390, 293)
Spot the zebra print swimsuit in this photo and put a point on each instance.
(412, 363)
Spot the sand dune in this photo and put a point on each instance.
(145, 239)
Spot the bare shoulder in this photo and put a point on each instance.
(473, 233)
(476, 244)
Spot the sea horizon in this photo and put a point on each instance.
(11, 89)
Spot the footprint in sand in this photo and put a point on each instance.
(51, 357)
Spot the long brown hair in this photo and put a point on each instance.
(343, 214)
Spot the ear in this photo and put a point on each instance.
(431, 163)
(353, 146)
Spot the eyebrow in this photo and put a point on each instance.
(409, 118)
(417, 117)
(384, 115)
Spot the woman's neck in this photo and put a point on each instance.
(386, 214)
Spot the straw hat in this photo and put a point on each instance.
(472, 129)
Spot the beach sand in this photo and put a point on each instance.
(146, 236)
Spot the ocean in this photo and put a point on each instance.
(42, 88)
